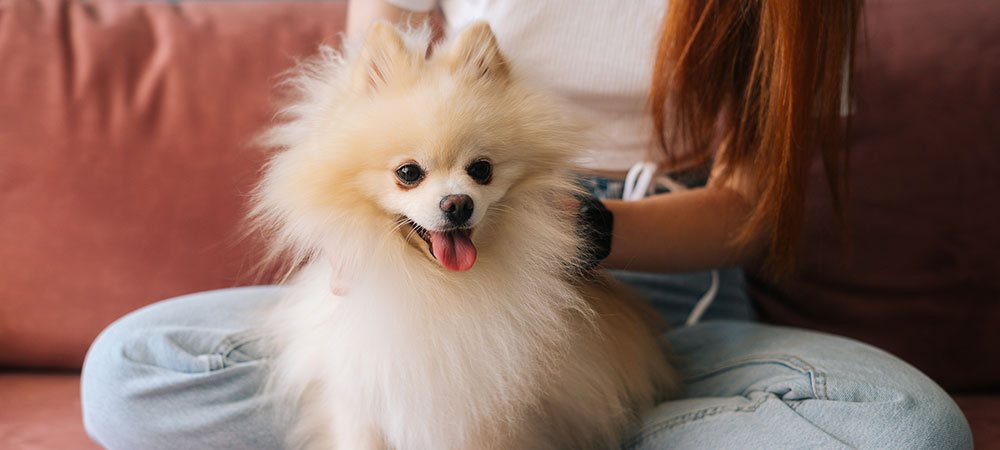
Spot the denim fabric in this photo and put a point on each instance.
(749, 385)
(184, 373)
(187, 373)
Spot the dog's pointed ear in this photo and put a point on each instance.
(475, 51)
(383, 53)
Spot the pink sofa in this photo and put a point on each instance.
(124, 169)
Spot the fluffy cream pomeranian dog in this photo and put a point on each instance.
(439, 186)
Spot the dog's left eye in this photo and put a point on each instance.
(410, 174)
(481, 171)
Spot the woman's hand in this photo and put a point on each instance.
(594, 223)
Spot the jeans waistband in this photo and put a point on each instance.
(610, 188)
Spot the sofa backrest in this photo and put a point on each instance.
(920, 275)
(125, 168)
(124, 157)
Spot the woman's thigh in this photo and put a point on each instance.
(750, 385)
(188, 373)
(183, 373)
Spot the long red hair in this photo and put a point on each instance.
(762, 80)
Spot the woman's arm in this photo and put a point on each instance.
(680, 232)
(685, 231)
(361, 14)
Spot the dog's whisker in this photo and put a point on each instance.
(399, 224)
(501, 207)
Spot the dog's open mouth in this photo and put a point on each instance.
(453, 248)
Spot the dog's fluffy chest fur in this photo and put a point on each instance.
(433, 365)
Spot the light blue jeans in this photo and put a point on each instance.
(186, 373)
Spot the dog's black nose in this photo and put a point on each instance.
(457, 208)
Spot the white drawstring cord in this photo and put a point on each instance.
(638, 180)
(637, 183)
(705, 301)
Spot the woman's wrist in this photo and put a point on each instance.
(595, 224)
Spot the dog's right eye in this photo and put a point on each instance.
(409, 174)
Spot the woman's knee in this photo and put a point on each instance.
(881, 400)
(876, 400)
(930, 419)
(915, 412)
(863, 396)
(106, 400)
(196, 353)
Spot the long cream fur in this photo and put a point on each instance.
(515, 353)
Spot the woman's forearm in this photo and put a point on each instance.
(679, 232)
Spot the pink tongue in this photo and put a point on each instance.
(453, 249)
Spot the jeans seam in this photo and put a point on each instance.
(691, 417)
(231, 344)
(817, 383)
(216, 361)
(789, 361)
(817, 379)
(821, 377)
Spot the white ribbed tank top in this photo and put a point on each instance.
(596, 54)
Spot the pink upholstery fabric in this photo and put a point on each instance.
(41, 411)
(124, 157)
(983, 413)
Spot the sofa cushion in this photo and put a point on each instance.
(920, 273)
(124, 167)
(983, 413)
(41, 411)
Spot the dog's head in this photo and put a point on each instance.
(434, 151)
